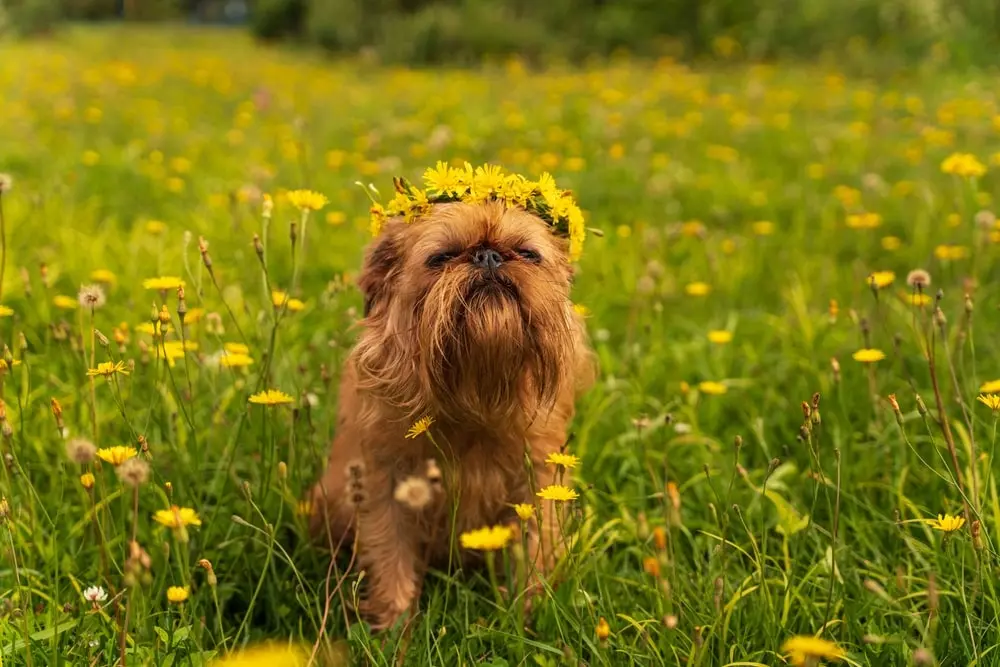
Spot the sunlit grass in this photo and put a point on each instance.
(763, 459)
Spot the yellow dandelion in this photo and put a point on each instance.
(441, 179)
(697, 288)
(720, 337)
(64, 302)
(486, 539)
(712, 388)
(868, 355)
(6, 311)
(107, 369)
(230, 360)
(265, 655)
(177, 517)
(155, 227)
(194, 316)
(420, 427)
(891, 243)
(87, 480)
(13, 362)
(236, 348)
(918, 299)
(178, 594)
(763, 228)
(116, 455)
(805, 649)
(307, 200)
(271, 397)
(880, 279)
(558, 492)
(304, 508)
(163, 283)
(946, 523)
(963, 164)
(992, 401)
(581, 310)
(524, 511)
(991, 387)
(951, 252)
(103, 276)
(562, 460)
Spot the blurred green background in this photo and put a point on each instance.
(466, 31)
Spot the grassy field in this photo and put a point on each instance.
(746, 477)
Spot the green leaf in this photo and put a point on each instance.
(789, 520)
(162, 634)
(40, 636)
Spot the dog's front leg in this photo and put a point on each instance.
(388, 550)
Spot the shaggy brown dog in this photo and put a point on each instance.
(468, 320)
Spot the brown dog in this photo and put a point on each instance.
(468, 320)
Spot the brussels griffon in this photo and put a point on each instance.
(468, 319)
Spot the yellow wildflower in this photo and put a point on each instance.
(177, 517)
(951, 252)
(271, 397)
(155, 227)
(807, 650)
(87, 480)
(963, 164)
(103, 276)
(307, 200)
(163, 283)
(720, 337)
(992, 401)
(230, 360)
(524, 511)
(64, 302)
(991, 387)
(946, 523)
(697, 289)
(116, 455)
(265, 655)
(712, 388)
(558, 492)
(107, 369)
(763, 228)
(13, 362)
(178, 594)
(881, 279)
(6, 311)
(486, 539)
(419, 427)
(603, 630)
(891, 243)
(868, 355)
(562, 460)
(236, 348)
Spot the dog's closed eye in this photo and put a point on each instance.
(437, 260)
(529, 255)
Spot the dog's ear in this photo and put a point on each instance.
(381, 260)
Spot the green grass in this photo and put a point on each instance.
(797, 531)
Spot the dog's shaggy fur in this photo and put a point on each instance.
(495, 355)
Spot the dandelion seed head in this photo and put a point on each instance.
(134, 472)
(91, 296)
(413, 492)
(80, 450)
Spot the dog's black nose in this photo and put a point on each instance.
(487, 258)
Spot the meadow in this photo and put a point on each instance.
(790, 281)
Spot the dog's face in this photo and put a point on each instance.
(468, 312)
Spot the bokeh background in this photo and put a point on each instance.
(769, 186)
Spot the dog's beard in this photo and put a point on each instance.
(491, 347)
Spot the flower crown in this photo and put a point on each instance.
(486, 183)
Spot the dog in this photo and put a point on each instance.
(468, 320)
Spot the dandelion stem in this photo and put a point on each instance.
(93, 364)
(3, 245)
(946, 427)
